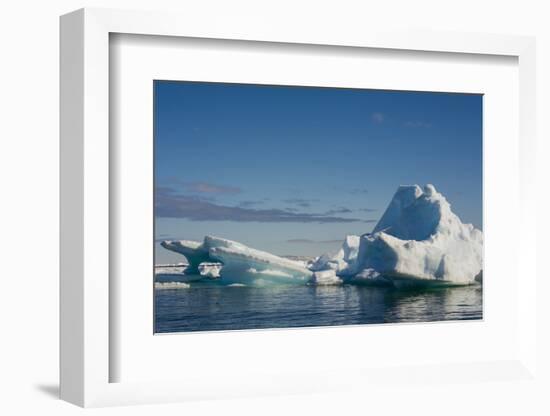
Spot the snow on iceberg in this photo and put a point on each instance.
(420, 238)
(242, 264)
(343, 262)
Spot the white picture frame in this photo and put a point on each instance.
(86, 356)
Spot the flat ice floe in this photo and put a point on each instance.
(171, 285)
(170, 269)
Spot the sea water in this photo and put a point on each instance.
(208, 307)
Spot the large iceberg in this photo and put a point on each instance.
(420, 239)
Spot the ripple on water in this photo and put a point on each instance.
(209, 308)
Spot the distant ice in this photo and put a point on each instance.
(176, 269)
(172, 285)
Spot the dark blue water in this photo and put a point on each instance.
(212, 307)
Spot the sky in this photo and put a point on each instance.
(293, 170)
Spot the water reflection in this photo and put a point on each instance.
(212, 307)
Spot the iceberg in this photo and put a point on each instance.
(420, 239)
(237, 263)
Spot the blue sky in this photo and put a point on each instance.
(292, 170)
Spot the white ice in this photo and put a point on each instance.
(210, 270)
(343, 262)
(324, 278)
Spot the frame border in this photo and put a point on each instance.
(84, 177)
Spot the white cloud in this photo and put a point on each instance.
(377, 117)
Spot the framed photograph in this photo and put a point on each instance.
(267, 199)
(283, 223)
